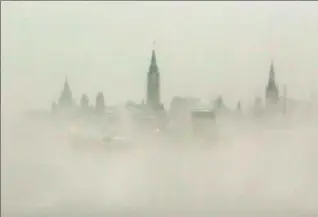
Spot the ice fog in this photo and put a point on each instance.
(249, 171)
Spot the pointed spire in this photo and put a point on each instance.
(271, 80)
(153, 55)
(272, 71)
(153, 58)
(153, 64)
(66, 94)
(66, 85)
(272, 94)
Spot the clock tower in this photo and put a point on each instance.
(153, 84)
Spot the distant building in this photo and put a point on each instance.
(177, 105)
(219, 106)
(84, 105)
(258, 106)
(203, 122)
(218, 103)
(180, 110)
(181, 105)
(272, 93)
(100, 103)
(153, 85)
(65, 104)
(66, 98)
(84, 102)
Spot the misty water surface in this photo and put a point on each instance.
(250, 170)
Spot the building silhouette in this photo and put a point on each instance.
(84, 102)
(258, 108)
(66, 98)
(272, 94)
(100, 103)
(152, 105)
(153, 84)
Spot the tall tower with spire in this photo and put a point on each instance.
(272, 94)
(153, 83)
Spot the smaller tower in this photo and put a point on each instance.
(218, 102)
(100, 103)
(66, 98)
(84, 102)
(272, 95)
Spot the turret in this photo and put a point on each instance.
(84, 104)
(84, 101)
(100, 103)
(66, 98)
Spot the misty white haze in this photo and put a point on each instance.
(203, 49)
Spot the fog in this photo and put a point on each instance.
(252, 167)
(203, 49)
(248, 171)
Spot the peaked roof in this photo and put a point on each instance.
(66, 85)
(272, 72)
(153, 64)
(153, 58)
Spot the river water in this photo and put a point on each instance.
(248, 171)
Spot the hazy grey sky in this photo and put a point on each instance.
(203, 48)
